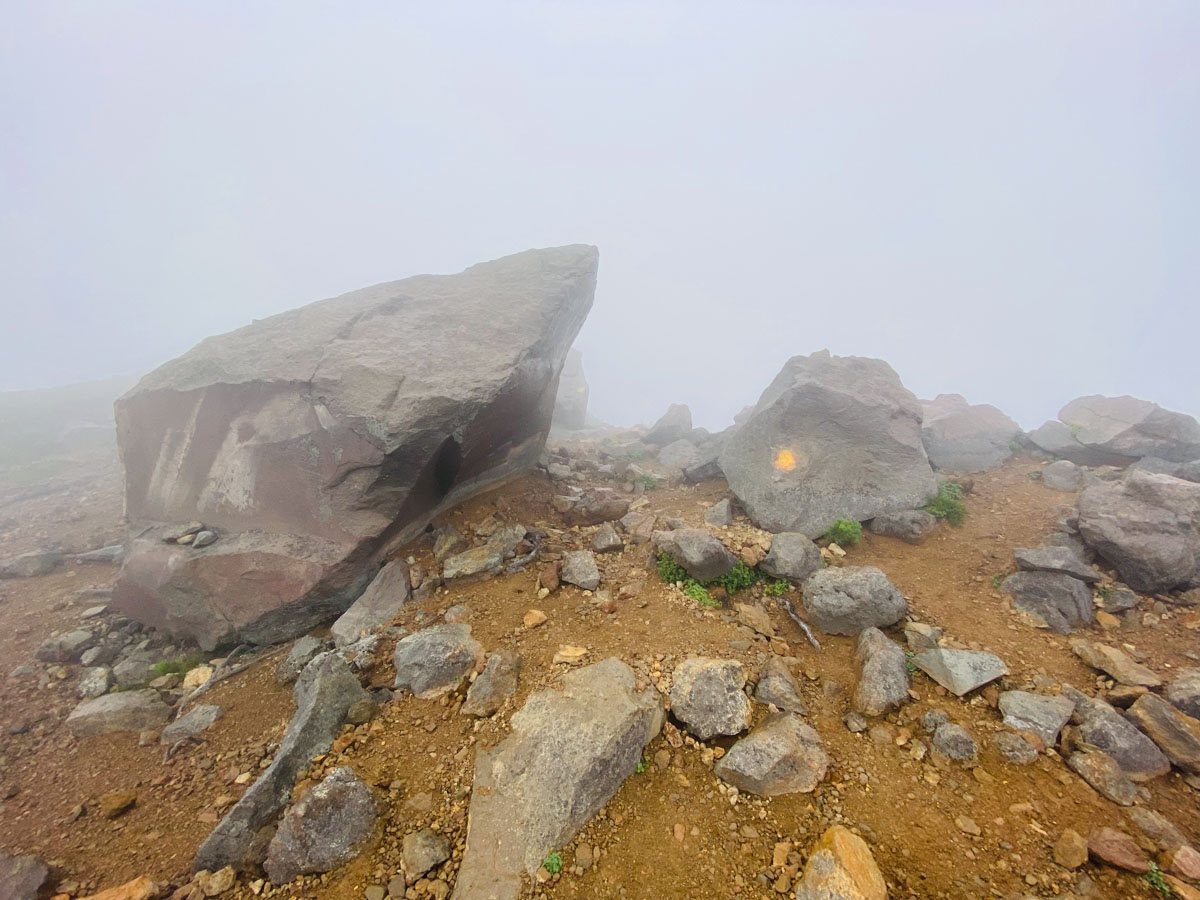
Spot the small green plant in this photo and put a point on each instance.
(844, 532)
(1075, 429)
(998, 579)
(553, 863)
(180, 666)
(740, 576)
(647, 482)
(669, 570)
(948, 504)
(641, 766)
(1034, 476)
(912, 666)
(696, 591)
(777, 588)
(1155, 879)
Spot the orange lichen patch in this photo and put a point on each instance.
(785, 461)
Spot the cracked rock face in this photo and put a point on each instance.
(312, 441)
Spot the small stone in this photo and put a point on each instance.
(570, 655)
(954, 741)
(213, 884)
(967, 825)
(534, 618)
(1117, 849)
(116, 803)
(1070, 850)
(422, 851)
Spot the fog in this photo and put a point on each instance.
(1002, 200)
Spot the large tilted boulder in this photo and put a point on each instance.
(1132, 428)
(570, 404)
(961, 437)
(312, 442)
(1147, 526)
(833, 437)
(568, 753)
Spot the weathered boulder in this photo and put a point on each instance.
(122, 711)
(1043, 714)
(847, 600)
(954, 741)
(699, 551)
(1147, 526)
(94, 682)
(1103, 773)
(831, 437)
(1188, 471)
(316, 440)
(1062, 475)
(495, 684)
(841, 867)
(579, 568)
(324, 693)
(719, 514)
(910, 525)
(606, 539)
(324, 829)
(434, 660)
(567, 754)
(1057, 439)
(196, 720)
(1177, 735)
(1104, 728)
(30, 565)
(1059, 602)
(779, 687)
(792, 556)
(961, 437)
(783, 755)
(680, 454)
(379, 604)
(1131, 428)
(707, 696)
(960, 671)
(304, 651)
(1060, 559)
(571, 401)
(675, 425)
(65, 648)
(1115, 663)
(1184, 692)
(883, 674)
(21, 877)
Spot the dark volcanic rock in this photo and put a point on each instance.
(783, 755)
(324, 829)
(831, 437)
(792, 556)
(883, 679)
(1061, 602)
(315, 440)
(847, 600)
(707, 696)
(699, 551)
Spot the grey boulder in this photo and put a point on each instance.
(567, 754)
(377, 606)
(778, 687)
(21, 877)
(1131, 428)
(1183, 691)
(783, 755)
(435, 660)
(304, 651)
(883, 674)
(960, 671)
(30, 565)
(1043, 714)
(65, 648)
(681, 454)
(1101, 726)
(707, 696)
(122, 711)
(1058, 559)
(675, 425)
(792, 556)
(579, 568)
(1062, 475)
(486, 559)
(316, 440)
(324, 829)
(910, 525)
(954, 741)
(720, 514)
(495, 684)
(1058, 602)
(196, 720)
(831, 438)
(961, 437)
(699, 551)
(850, 599)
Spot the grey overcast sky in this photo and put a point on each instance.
(1001, 199)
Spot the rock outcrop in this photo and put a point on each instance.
(831, 437)
(311, 442)
(961, 437)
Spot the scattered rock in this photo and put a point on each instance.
(1014, 748)
(606, 540)
(379, 604)
(533, 618)
(1058, 559)
(1101, 771)
(707, 697)
(841, 867)
(21, 877)
(123, 711)
(486, 559)
(782, 755)
(597, 511)
(304, 651)
(960, 671)
(1070, 850)
(954, 741)
(495, 684)
(116, 803)
(1117, 849)
(579, 568)
(423, 850)
(65, 648)
(1176, 734)
(883, 674)
(1115, 663)
(680, 454)
(1184, 692)
(95, 682)
(720, 513)
(1044, 715)
(324, 829)
(196, 720)
(850, 599)
(197, 676)
(1104, 728)
(909, 525)
(434, 660)
(141, 888)
(778, 687)
(1059, 602)
(1062, 475)
(30, 565)
(921, 636)
(792, 556)
(213, 884)
(699, 551)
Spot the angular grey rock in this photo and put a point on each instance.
(65, 648)
(831, 437)
(961, 437)
(1188, 471)
(123, 711)
(1056, 439)
(568, 753)
(1158, 828)
(21, 877)
(1147, 526)
(1115, 663)
(1104, 728)
(1101, 771)
(30, 565)
(1183, 692)
(195, 721)
(325, 829)
(921, 636)
(1132, 428)
(597, 510)
(698, 550)
(1014, 748)
(379, 604)
(960, 671)
(487, 559)
(792, 556)
(675, 425)
(324, 693)
(720, 513)
(707, 696)
(135, 670)
(783, 755)
(495, 684)
(606, 540)
(847, 600)
(95, 682)
(883, 674)
(318, 439)
(107, 556)
(954, 741)
(1177, 735)
(571, 400)
(422, 850)
(1062, 475)
(707, 468)
(1118, 600)
(579, 568)
(1059, 602)
(910, 525)
(1055, 559)
(681, 454)
(434, 660)
(304, 651)
(778, 687)
(1043, 714)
